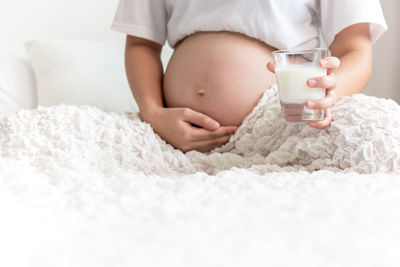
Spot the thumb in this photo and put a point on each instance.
(200, 119)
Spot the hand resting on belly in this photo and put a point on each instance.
(212, 77)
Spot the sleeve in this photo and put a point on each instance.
(336, 15)
(142, 18)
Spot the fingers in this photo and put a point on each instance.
(206, 140)
(271, 66)
(199, 119)
(205, 137)
(330, 63)
(328, 82)
(322, 82)
(205, 146)
(324, 123)
(200, 134)
(328, 101)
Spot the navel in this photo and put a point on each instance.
(201, 92)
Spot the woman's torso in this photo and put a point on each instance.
(220, 66)
(221, 74)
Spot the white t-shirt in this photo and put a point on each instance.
(284, 24)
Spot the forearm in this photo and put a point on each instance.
(145, 73)
(353, 47)
(354, 72)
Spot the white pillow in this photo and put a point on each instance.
(81, 73)
(17, 85)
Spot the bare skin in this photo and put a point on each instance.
(175, 125)
(220, 74)
(189, 125)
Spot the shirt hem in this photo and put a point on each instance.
(140, 31)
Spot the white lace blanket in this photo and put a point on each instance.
(364, 137)
(81, 187)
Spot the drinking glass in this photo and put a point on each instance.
(293, 68)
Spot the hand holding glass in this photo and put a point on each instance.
(293, 69)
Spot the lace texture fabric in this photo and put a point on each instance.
(364, 138)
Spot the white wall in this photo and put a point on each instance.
(385, 80)
(21, 20)
(80, 19)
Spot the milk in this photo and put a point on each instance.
(292, 83)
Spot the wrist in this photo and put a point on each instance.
(150, 113)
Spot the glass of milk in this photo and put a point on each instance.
(293, 69)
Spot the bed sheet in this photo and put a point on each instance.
(233, 218)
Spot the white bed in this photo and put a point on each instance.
(83, 187)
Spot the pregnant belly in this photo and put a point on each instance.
(220, 74)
